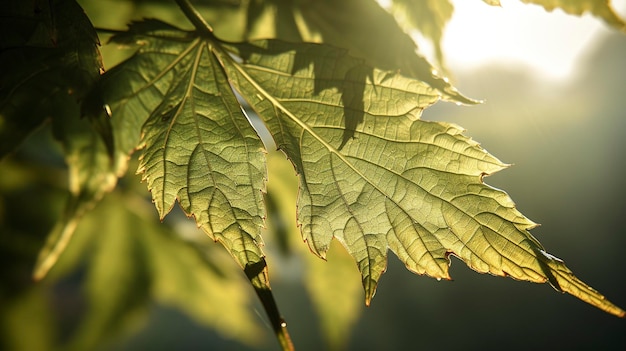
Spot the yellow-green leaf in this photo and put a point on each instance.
(372, 174)
(198, 147)
(375, 176)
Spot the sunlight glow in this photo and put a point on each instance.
(551, 43)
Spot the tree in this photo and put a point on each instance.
(346, 113)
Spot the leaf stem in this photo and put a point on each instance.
(278, 323)
(196, 19)
(257, 274)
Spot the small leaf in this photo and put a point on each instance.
(598, 8)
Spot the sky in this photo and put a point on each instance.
(550, 43)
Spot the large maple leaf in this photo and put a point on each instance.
(373, 175)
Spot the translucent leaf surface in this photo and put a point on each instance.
(375, 176)
(198, 147)
(372, 174)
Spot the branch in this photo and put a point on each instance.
(196, 19)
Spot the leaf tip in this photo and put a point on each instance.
(369, 295)
(369, 286)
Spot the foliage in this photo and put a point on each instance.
(340, 97)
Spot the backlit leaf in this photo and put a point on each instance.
(198, 147)
(375, 176)
(372, 174)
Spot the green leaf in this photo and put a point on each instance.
(429, 17)
(48, 53)
(198, 147)
(375, 176)
(371, 33)
(372, 174)
(598, 8)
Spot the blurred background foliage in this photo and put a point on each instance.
(127, 282)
